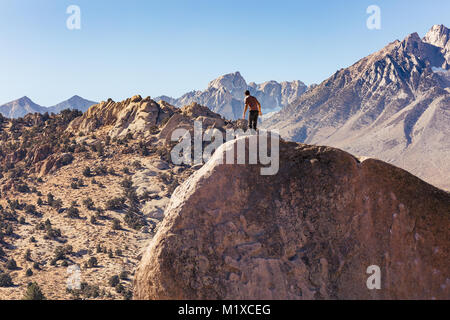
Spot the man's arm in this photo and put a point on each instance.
(245, 111)
(259, 107)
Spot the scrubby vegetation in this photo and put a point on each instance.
(33, 292)
(57, 187)
(5, 280)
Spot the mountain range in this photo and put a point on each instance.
(393, 105)
(23, 106)
(225, 95)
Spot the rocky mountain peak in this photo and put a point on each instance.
(413, 37)
(232, 82)
(439, 35)
(24, 101)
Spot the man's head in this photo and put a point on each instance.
(247, 93)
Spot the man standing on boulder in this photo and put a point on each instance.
(255, 110)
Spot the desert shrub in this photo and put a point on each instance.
(53, 233)
(116, 224)
(50, 199)
(165, 178)
(73, 213)
(126, 170)
(99, 148)
(2, 253)
(30, 209)
(47, 224)
(126, 183)
(114, 281)
(89, 203)
(57, 204)
(87, 172)
(81, 148)
(66, 159)
(123, 275)
(92, 262)
(23, 188)
(110, 254)
(65, 263)
(15, 205)
(119, 288)
(9, 230)
(29, 272)
(133, 199)
(117, 203)
(28, 255)
(36, 266)
(11, 264)
(134, 220)
(101, 170)
(172, 186)
(74, 185)
(54, 203)
(137, 164)
(118, 252)
(127, 294)
(5, 280)
(68, 249)
(33, 292)
(89, 291)
(93, 220)
(22, 220)
(40, 202)
(60, 253)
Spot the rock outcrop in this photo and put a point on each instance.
(53, 163)
(439, 36)
(309, 232)
(133, 115)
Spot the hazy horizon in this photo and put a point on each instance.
(153, 48)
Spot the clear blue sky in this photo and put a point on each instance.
(171, 47)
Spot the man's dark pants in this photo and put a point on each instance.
(253, 120)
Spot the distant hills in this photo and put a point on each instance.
(393, 105)
(225, 95)
(23, 106)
